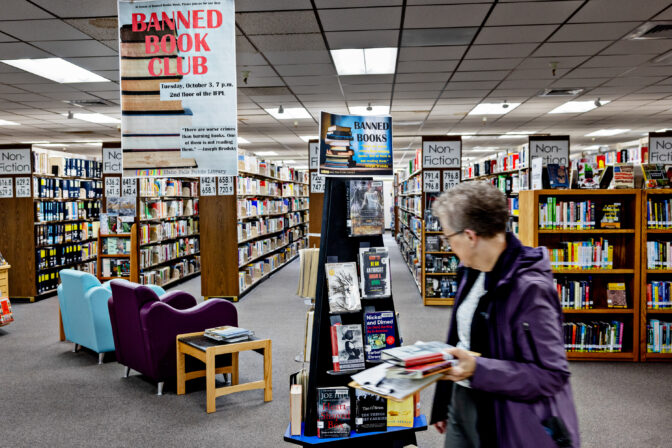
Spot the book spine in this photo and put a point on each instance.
(334, 348)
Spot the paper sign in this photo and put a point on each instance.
(660, 150)
(225, 186)
(317, 183)
(112, 161)
(450, 179)
(314, 155)
(431, 181)
(112, 187)
(537, 169)
(208, 186)
(550, 151)
(23, 187)
(15, 161)
(446, 154)
(6, 188)
(129, 187)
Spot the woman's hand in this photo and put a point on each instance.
(465, 367)
(441, 426)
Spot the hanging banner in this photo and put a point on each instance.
(352, 145)
(178, 88)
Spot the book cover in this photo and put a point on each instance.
(587, 174)
(416, 354)
(432, 243)
(655, 176)
(401, 413)
(624, 175)
(343, 287)
(374, 263)
(367, 216)
(611, 216)
(333, 411)
(295, 400)
(616, 295)
(557, 175)
(350, 346)
(419, 372)
(380, 333)
(370, 412)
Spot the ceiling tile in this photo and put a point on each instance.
(666, 15)
(97, 63)
(500, 51)
(278, 22)
(419, 86)
(22, 10)
(360, 19)
(593, 31)
(421, 77)
(536, 74)
(567, 83)
(298, 57)
(431, 53)
(514, 34)
(249, 59)
(366, 79)
(495, 75)
(290, 42)
(619, 10)
(69, 48)
(647, 46)
(426, 66)
(437, 36)
(565, 62)
(489, 64)
(310, 80)
(271, 5)
(471, 85)
(298, 70)
(357, 88)
(617, 60)
(634, 81)
(532, 13)
(570, 48)
(40, 30)
(445, 16)
(605, 72)
(20, 50)
(360, 39)
(77, 8)
(355, 3)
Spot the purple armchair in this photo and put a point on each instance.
(145, 326)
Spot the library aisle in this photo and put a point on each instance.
(72, 400)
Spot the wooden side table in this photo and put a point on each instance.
(4, 280)
(205, 350)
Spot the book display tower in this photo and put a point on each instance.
(50, 208)
(330, 374)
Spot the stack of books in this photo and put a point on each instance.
(228, 334)
(339, 153)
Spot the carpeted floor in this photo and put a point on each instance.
(50, 396)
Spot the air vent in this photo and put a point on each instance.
(652, 30)
(89, 103)
(561, 92)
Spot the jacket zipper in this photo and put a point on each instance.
(530, 341)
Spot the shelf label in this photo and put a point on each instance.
(208, 186)
(15, 161)
(450, 179)
(6, 188)
(445, 154)
(112, 187)
(112, 161)
(23, 187)
(314, 155)
(550, 151)
(431, 181)
(129, 187)
(317, 183)
(225, 186)
(660, 150)
(537, 169)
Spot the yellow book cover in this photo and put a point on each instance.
(400, 413)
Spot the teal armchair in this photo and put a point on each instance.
(86, 318)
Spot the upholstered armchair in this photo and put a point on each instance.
(145, 326)
(86, 319)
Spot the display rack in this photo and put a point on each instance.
(105, 241)
(626, 262)
(255, 230)
(54, 226)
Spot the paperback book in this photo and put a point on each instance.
(588, 175)
(380, 334)
(616, 295)
(347, 347)
(557, 175)
(333, 411)
(343, 287)
(416, 354)
(611, 216)
(374, 263)
(367, 216)
(624, 175)
(370, 412)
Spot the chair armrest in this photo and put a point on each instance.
(97, 298)
(179, 300)
(159, 291)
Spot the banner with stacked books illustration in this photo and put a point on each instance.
(178, 88)
(353, 145)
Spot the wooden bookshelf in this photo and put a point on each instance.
(626, 263)
(132, 256)
(316, 195)
(648, 275)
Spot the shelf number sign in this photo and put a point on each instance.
(450, 179)
(112, 187)
(23, 187)
(208, 186)
(225, 186)
(432, 181)
(317, 183)
(129, 187)
(6, 188)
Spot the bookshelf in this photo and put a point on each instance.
(622, 267)
(409, 240)
(656, 226)
(113, 251)
(249, 235)
(52, 210)
(316, 195)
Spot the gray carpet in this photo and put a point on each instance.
(50, 396)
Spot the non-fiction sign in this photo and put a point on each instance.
(178, 87)
(451, 178)
(23, 187)
(129, 187)
(352, 145)
(442, 154)
(431, 181)
(15, 161)
(112, 187)
(313, 155)
(112, 161)
(208, 186)
(554, 150)
(537, 173)
(317, 183)
(225, 186)
(660, 149)
(6, 188)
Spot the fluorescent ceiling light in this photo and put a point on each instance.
(464, 135)
(289, 113)
(288, 161)
(94, 118)
(307, 138)
(590, 147)
(242, 140)
(9, 123)
(517, 134)
(365, 61)
(375, 110)
(56, 69)
(266, 153)
(41, 142)
(660, 130)
(576, 107)
(484, 148)
(493, 109)
(607, 132)
(301, 167)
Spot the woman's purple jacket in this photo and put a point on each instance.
(524, 297)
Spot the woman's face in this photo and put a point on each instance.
(459, 243)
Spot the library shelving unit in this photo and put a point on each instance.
(52, 218)
(625, 242)
(409, 239)
(656, 226)
(316, 195)
(112, 256)
(250, 235)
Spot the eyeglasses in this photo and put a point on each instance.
(446, 238)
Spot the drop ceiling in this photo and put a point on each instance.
(453, 55)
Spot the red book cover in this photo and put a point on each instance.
(423, 359)
(649, 296)
(334, 348)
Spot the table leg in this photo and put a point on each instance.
(210, 380)
(268, 373)
(180, 371)
(234, 368)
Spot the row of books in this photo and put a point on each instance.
(590, 254)
(566, 215)
(89, 250)
(659, 214)
(410, 249)
(659, 295)
(252, 186)
(116, 246)
(440, 287)
(168, 208)
(339, 153)
(593, 336)
(54, 188)
(254, 249)
(48, 234)
(296, 218)
(512, 204)
(441, 263)
(509, 184)
(263, 207)
(47, 281)
(156, 233)
(47, 163)
(658, 336)
(412, 203)
(499, 163)
(161, 253)
(251, 164)
(411, 222)
(88, 266)
(434, 243)
(259, 227)
(159, 187)
(116, 267)
(162, 275)
(253, 272)
(412, 185)
(46, 211)
(659, 254)
(52, 257)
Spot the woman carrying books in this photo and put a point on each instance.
(517, 393)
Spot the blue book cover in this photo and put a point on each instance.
(380, 333)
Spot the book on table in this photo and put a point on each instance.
(228, 333)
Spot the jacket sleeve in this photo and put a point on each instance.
(524, 379)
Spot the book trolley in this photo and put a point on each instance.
(337, 246)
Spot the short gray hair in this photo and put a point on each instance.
(478, 206)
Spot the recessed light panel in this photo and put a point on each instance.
(576, 107)
(365, 61)
(95, 118)
(289, 113)
(607, 132)
(375, 110)
(56, 69)
(493, 108)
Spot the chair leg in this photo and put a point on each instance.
(101, 356)
(127, 372)
(76, 349)
(160, 388)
